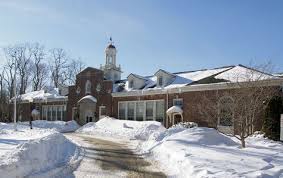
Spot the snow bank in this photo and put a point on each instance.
(204, 152)
(35, 152)
(38, 156)
(9, 139)
(59, 126)
(122, 128)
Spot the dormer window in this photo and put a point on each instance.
(87, 87)
(160, 81)
(136, 81)
(131, 84)
(163, 78)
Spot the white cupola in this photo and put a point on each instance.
(111, 70)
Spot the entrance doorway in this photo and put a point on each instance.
(87, 109)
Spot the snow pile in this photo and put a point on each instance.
(39, 156)
(60, 126)
(122, 128)
(204, 152)
(35, 152)
(186, 125)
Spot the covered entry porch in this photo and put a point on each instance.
(86, 110)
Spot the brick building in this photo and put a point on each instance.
(99, 92)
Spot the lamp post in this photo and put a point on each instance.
(98, 90)
(15, 96)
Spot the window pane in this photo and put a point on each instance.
(159, 111)
(226, 112)
(122, 110)
(226, 117)
(54, 108)
(149, 110)
(139, 111)
(44, 113)
(64, 112)
(48, 113)
(131, 110)
(59, 111)
(160, 81)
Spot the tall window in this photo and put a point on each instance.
(142, 110)
(226, 113)
(87, 87)
(44, 113)
(131, 110)
(160, 81)
(139, 111)
(49, 113)
(149, 110)
(159, 111)
(122, 111)
(53, 112)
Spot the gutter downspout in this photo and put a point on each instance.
(167, 105)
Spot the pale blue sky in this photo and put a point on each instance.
(172, 35)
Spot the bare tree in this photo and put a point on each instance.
(3, 98)
(9, 69)
(240, 107)
(39, 67)
(22, 54)
(74, 67)
(58, 65)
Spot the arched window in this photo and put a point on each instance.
(226, 111)
(87, 87)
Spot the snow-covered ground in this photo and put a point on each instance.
(40, 152)
(198, 151)
(204, 152)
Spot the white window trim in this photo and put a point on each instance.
(144, 109)
(100, 108)
(57, 107)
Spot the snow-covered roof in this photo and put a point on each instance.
(40, 95)
(88, 97)
(174, 109)
(137, 76)
(201, 74)
(278, 75)
(238, 73)
(241, 73)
